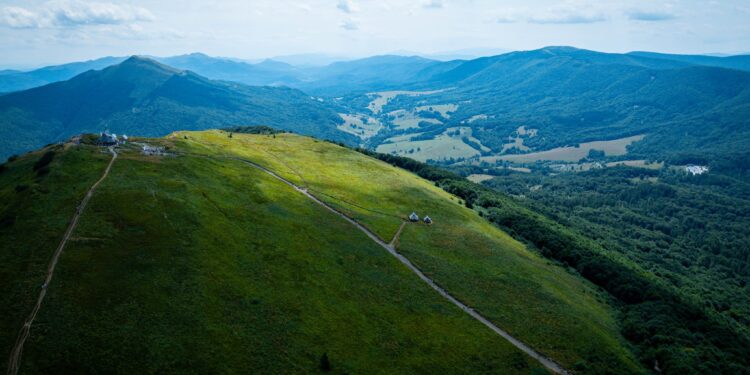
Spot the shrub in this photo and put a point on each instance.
(7, 221)
(266, 130)
(44, 160)
(325, 364)
(89, 139)
(42, 171)
(596, 154)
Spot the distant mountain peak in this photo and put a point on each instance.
(197, 54)
(144, 62)
(136, 59)
(566, 51)
(560, 49)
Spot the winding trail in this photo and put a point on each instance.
(15, 355)
(545, 361)
(394, 241)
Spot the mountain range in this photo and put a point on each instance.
(295, 70)
(569, 96)
(141, 96)
(573, 96)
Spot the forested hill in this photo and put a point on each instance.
(570, 96)
(140, 96)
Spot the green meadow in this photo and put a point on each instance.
(197, 263)
(558, 314)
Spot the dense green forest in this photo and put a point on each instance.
(688, 230)
(670, 248)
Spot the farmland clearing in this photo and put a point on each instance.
(362, 126)
(615, 147)
(445, 146)
(444, 110)
(409, 120)
(383, 97)
(479, 177)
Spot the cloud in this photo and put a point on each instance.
(642, 15)
(305, 7)
(432, 4)
(18, 18)
(509, 15)
(347, 6)
(349, 25)
(559, 15)
(506, 19)
(568, 17)
(72, 13)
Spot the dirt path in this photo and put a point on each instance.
(394, 241)
(15, 355)
(545, 361)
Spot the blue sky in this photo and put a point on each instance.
(38, 32)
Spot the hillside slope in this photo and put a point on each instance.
(198, 262)
(144, 97)
(740, 62)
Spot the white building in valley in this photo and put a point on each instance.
(696, 169)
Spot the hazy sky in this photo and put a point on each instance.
(37, 32)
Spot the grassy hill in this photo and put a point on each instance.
(197, 262)
(141, 96)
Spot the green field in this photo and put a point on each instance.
(443, 146)
(444, 110)
(361, 126)
(188, 263)
(479, 177)
(471, 258)
(380, 99)
(611, 148)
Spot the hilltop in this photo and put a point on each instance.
(200, 260)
